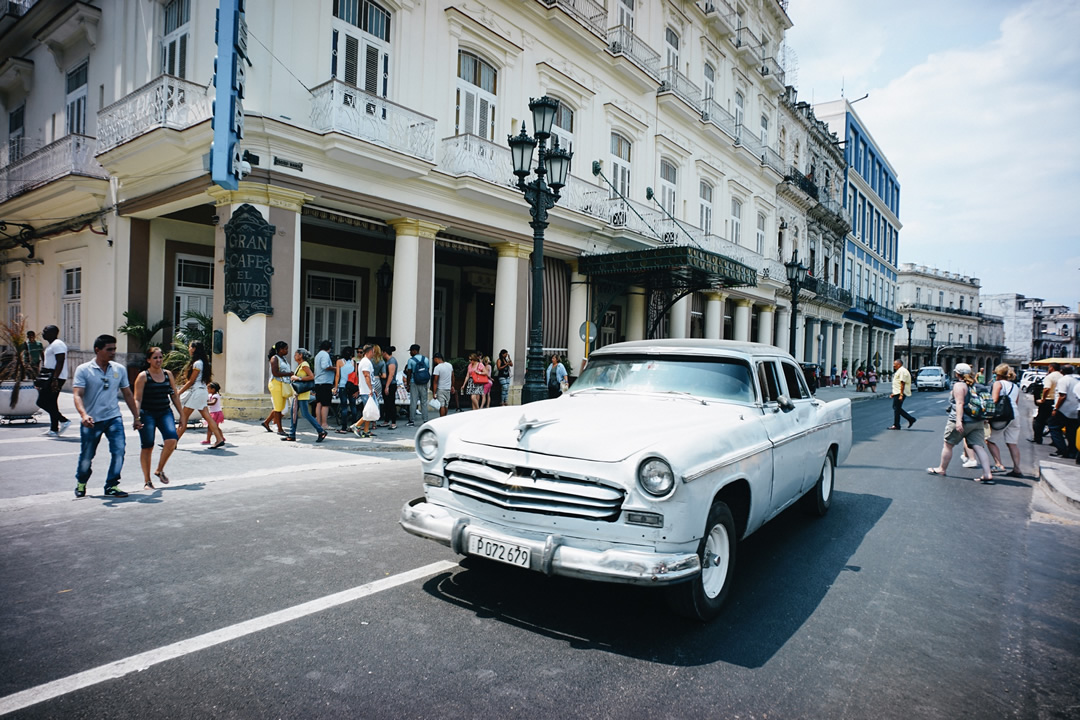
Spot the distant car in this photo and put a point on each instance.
(932, 377)
(648, 471)
(1029, 377)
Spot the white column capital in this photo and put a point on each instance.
(412, 226)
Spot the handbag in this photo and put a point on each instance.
(44, 378)
(303, 386)
(286, 390)
(371, 410)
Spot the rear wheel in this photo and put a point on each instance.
(818, 500)
(702, 598)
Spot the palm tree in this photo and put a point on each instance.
(15, 368)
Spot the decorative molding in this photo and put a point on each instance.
(79, 20)
(559, 82)
(418, 228)
(482, 36)
(260, 194)
(513, 250)
(666, 144)
(622, 117)
(16, 72)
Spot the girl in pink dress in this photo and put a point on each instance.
(213, 404)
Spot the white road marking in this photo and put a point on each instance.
(143, 661)
(33, 457)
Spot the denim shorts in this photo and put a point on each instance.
(164, 423)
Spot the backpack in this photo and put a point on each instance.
(421, 374)
(979, 404)
(1003, 411)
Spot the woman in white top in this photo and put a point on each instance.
(194, 394)
(1005, 385)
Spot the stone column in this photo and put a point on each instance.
(800, 337)
(781, 325)
(812, 343)
(742, 320)
(246, 341)
(635, 313)
(511, 316)
(714, 315)
(413, 302)
(765, 324)
(858, 347)
(578, 312)
(828, 336)
(679, 318)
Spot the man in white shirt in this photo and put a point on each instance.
(365, 371)
(1064, 418)
(442, 382)
(1045, 404)
(54, 374)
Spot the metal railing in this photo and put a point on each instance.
(16, 8)
(804, 183)
(622, 41)
(473, 155)
(339, 107)
(748, 41)
(827, 291)
(165, 102)
(70, 155)
(836, 208)
(589, 13)
(880, 313)
(770, 67)
(673, 81)
(714, 113)
(935, 308)
(584, 196)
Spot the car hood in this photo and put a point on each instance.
(601, 427)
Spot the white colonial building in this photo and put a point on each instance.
(376, 138)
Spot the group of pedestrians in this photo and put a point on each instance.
(1058, 411)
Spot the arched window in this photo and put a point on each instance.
(783, 145)
(477, 86)
(669, 178)
(620, 163)
(795, 161)
(765, 130)
(563, 126)
(710, 81)
(626, 14)
(761, 234)
(361, 46)
(736, 220)
(671, 45)
(739, 102)
(705, 193)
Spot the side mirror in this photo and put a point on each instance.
(785, 403)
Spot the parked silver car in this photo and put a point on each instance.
(648, 471)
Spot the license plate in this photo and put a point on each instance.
(496, 550)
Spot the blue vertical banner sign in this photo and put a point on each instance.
(230, 79)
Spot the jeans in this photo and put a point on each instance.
(418, 393)
(505, 384)
(89, 437)
(162, 422)
(304, 407)
(1038, 425)
(1063, 434)
(347, 412)
(898, 411)
(47, 401)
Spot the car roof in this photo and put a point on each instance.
(695, 346)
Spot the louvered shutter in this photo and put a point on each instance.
(485, 112)
(371, 69)
(352, 59)
(181, 62)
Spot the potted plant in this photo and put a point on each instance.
(200, 328)
(143, 337)
(18, 396)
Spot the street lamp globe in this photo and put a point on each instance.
(543, 112)
(871, 306)
(558, 161)
(795, 270)
(910, 324)
(521, 150)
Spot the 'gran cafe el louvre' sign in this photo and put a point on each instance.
(248, 244)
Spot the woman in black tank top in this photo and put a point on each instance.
(154, 389)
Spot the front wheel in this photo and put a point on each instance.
(819, 499)
(702, 598)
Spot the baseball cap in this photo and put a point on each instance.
(962, 369)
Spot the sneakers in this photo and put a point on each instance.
(412, 424)
(52, 433)
(114, 491)
(356, 431)
(63, 426)
(971, 464)
(80, 490)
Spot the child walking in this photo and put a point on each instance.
(213, 404)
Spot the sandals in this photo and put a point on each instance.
(985, 481)
(160, 475)
(266, 426)
(934, 471)
(215, 446)
(998, 469)
(288, 439)
(148, 486)
(322, 436)
(1014, 474)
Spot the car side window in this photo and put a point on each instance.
(796, 384)
(769, 380)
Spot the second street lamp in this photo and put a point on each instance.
(541, 194)
(871, 306)
(931, 332)
(910, 326)
(796, 275)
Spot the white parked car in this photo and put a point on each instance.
(1029, 377)
(932, 377)
(648, 471)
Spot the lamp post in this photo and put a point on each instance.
(931, 331)
(910, 326)
(796, 275)
(871, 306)
(541, 196)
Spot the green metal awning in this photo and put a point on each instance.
(671, 266)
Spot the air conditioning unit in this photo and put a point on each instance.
(616, 47)
(669, 236)
(618, 218)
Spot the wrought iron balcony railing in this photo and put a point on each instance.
(339, 107)
(622, 41)
(880, 313)
(714, 113)
(828, 291)
(473, 155)
(589, 13)
(70, 155)
(936, 308)
(673, 81)
(770, 67)
(165, 102)
(747, 41)
(802, 182)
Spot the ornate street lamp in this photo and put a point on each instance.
(871, 306)
(910, 326)
(796, 275)
(541, 194)
(931, 331)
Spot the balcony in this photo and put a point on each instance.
(795, 177)
(772, 72)
(337, 107)
(714, 113)
(880, 313)
(835, 213)
(622, 42)
(70, 155)
(829, 293)
(167, 102)
(720, 16)
(588, 13)
(937, 308)
(673, 81)
(748, 45)
(470, 155)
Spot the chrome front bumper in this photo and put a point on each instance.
(553, 555)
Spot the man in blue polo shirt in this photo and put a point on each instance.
(95, 386)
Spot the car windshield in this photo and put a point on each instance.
(705, 377)
(930, 371)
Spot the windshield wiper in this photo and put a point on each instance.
(685, 394)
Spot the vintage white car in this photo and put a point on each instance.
(658, 460)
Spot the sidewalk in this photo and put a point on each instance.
(1060, 478)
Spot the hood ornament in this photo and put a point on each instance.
(524, 425)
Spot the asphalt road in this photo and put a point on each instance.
(273, 581)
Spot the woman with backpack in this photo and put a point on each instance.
(346, 388)
(1006, 393)
(962, 426)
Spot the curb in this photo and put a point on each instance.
(1050, 476)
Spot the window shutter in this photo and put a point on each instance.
(333, 54)
(352, 59)
(371, 69)
(470, 112)
(181, 63)
(482, 130)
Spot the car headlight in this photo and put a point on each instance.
(655, 477)
(427, 444)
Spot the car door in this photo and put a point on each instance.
(804, 415)
(783, 432)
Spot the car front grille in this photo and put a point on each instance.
(536, 491)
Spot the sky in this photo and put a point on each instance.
(976, 105)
